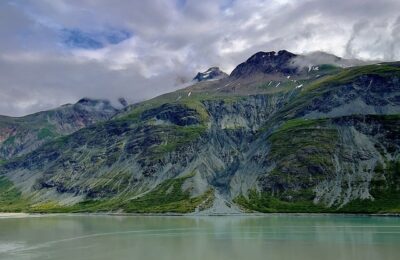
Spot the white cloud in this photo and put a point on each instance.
(170, 41)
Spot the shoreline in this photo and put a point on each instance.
(257, 214)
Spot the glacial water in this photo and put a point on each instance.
(282, 237)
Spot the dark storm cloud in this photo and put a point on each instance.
(57, 51)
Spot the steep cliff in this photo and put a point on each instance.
(314, 140)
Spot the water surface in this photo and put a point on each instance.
(272, 237)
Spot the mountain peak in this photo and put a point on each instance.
(272, 55)
(89, 101)
(210, 74)
(265, 63)
(99, 105)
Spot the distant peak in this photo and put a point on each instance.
(210, 74)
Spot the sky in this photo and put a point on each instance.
(54, 52)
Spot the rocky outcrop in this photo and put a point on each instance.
(212, 73)
(266, 63)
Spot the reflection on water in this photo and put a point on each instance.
(271, 237)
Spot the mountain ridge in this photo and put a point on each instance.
(30, 131)
(319, 140)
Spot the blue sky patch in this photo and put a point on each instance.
(227, 4)
(180, 3)
(76, 38)
(115, 37)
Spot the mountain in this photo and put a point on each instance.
(268, 138)
(20, 135)
(285, 64)
(212, 73)
(266, 63)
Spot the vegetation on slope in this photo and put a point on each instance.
(10, 198)
(302, 152)
(264, 202)
(350, 74)
(385, 189)
(177, 136)
(167, 197)
(331, 91)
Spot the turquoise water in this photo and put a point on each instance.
(272, 237)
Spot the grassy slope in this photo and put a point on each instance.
(323, 85)
(10, 198)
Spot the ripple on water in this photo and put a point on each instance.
(10, 246)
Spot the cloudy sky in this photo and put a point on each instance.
(54, 52)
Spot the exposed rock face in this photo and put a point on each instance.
(24, 134)
(367, 94)
(266, 63)
(123, 102)
(332, 145)
(210, 74)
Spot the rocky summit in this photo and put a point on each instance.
(266, 63)
(210, 74)
(282, 133)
